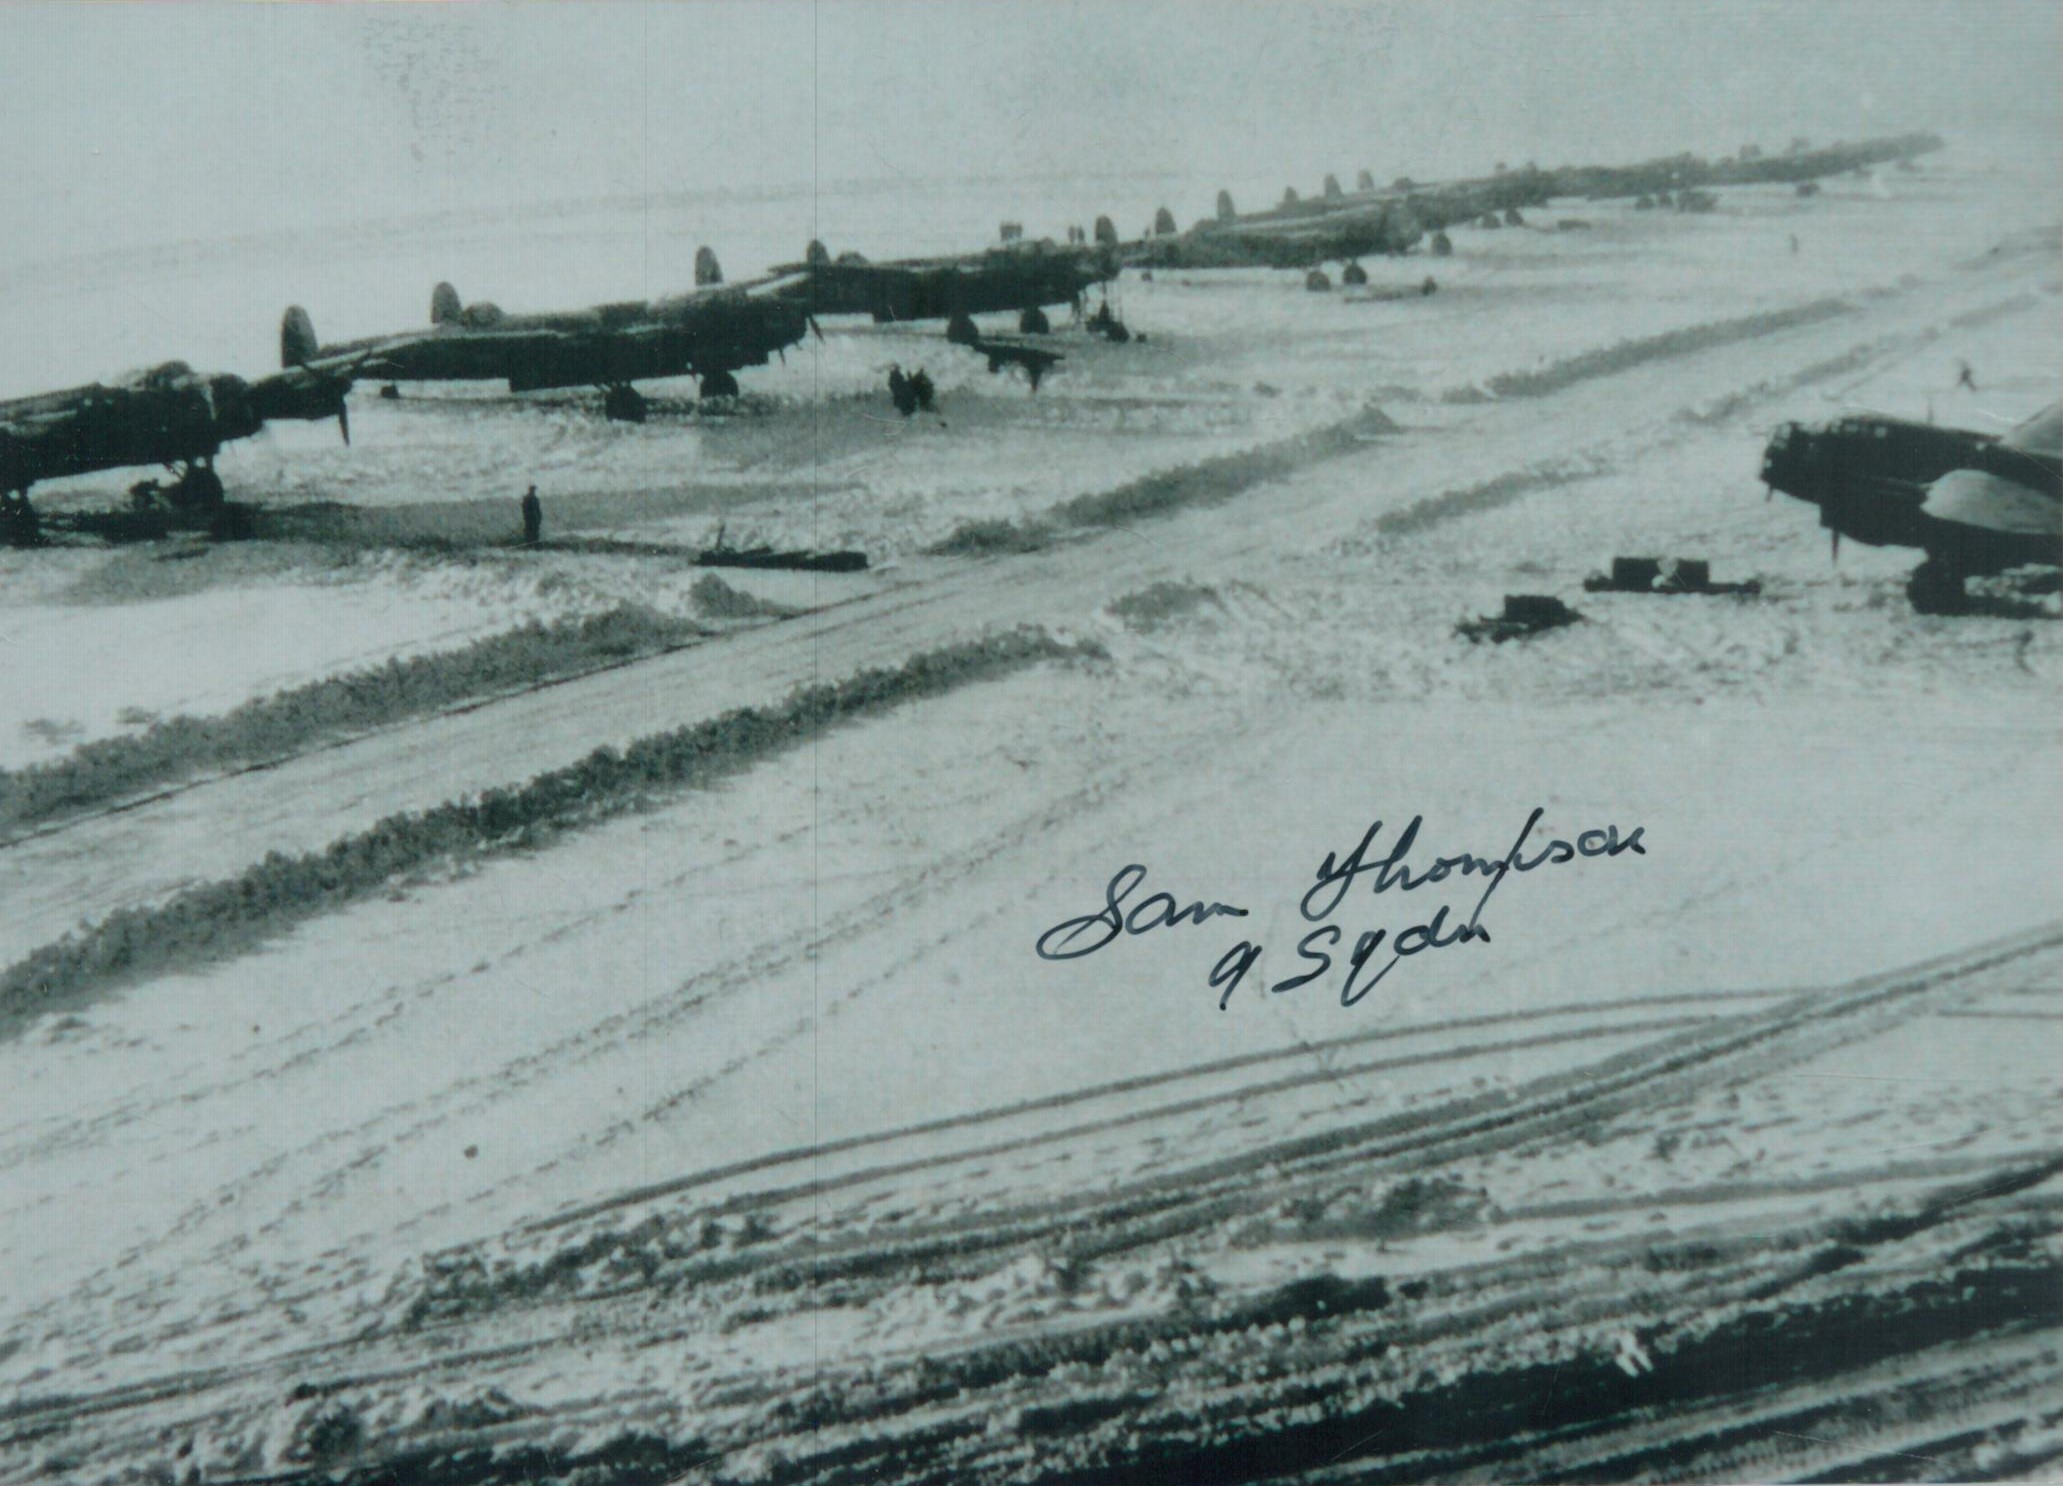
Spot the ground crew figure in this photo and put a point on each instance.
(921, 389)
(533, 517)
(1964, 377)
(900, 392)
(19, 522)
(1794, 245)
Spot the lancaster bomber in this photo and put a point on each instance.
(709, 333)
(168, 415)
(1021, 276)
(1337, 225)
(1290, 240)
(1442, 204)
(1974, 503)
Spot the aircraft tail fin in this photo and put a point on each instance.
(707, 269)
(297, 343)
(445, 305)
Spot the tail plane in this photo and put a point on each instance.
(297, 343)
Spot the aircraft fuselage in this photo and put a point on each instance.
(941, 290)
(171, 416)
(612, 345)
(1870, 477)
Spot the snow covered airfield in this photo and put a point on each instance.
(707, 1114)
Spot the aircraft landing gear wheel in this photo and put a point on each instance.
(232, 524)
(961, 330)
(19, 524)
(1033, 322)
(199, 489)
(624, 405)
(719, 384)
(1937, 588)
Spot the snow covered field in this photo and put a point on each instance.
(740, 1134)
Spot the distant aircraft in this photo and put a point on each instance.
(1020, 276)
(1306, 231)
(168, 415)
(1974, 503)
(1286, 238)
(1035, 360)
(709, 333)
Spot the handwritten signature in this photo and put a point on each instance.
(1121, 916)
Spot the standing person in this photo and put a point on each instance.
(1964, 377)
(533, 517)
(19, 524)
(921, 389)
(899, 391)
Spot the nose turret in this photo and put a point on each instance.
(1786, 455)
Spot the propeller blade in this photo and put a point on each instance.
(815, 329)
(1837, 544)
(344, 421)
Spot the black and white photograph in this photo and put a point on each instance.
(1031, 743)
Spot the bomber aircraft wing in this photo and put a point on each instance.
(2016, 491)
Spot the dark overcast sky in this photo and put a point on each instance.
(133, 122)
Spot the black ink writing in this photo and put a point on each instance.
(1072, 938)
